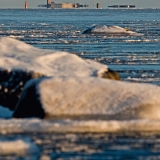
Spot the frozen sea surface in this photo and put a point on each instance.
(129, 115)
(136, 58)
(89, 146)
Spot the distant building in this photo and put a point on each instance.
(42, 5)
(122, 6)
(49, 3)
(61, 5)
(54, 5)
(86, 6)
(98, 5)
(26, 4)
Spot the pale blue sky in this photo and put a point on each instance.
(104, 3)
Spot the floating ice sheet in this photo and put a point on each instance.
(102, 29)
(18, 147)
(15, 54)
(13, 126)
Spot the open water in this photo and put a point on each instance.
(136, 58)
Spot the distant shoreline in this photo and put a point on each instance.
(74, 8)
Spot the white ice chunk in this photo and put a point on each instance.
(15, 54)
(108, 30)
(18, 147)
(99, 98)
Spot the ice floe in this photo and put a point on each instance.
(20, 62)
(15, 54)
(103, 29)
(18, 147)
(14, 126)
(89, 98)
(74, 95)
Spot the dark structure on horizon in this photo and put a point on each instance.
(98, 5)
(49, 3)
(26, 4)
(53, 5)
(122, 6)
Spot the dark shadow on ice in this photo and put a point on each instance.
(29, 105)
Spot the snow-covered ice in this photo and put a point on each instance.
(92, 98)
(15, 54)
(103, 29)
(14, 126)
(75, 88)
(18, 147)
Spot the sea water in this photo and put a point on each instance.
(134, 57)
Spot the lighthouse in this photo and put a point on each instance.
(26, 4)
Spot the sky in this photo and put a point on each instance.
(104, 3)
